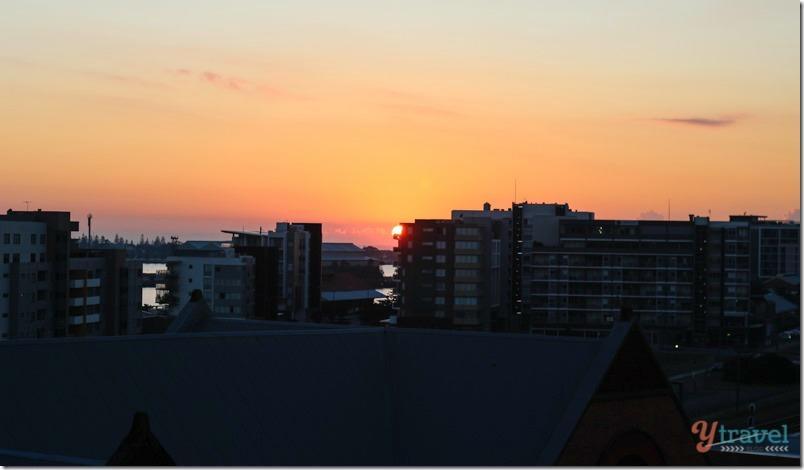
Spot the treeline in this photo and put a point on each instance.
(158, 247)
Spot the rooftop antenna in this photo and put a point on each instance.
(668, 209)
(27, 203)
(89, 229)
(514, 189)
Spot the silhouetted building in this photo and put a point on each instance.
(565, 273)
(105, 293)
(288, 269)
(688, 281)
(454, 273)
(34, 282)
(775, 246)
(225, 278)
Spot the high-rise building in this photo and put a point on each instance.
(688, 281)
(50, 287)
(566, 273)
(775, 246)
(287, 270)
(34, 282)
(105, 292)
(454, 273)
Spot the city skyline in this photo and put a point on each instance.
(362, 116)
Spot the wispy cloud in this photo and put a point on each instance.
(699, 121)
(235, 84)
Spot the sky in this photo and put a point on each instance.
(188, 117)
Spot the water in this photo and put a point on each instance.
(149, 296)
(149, 293)
(388, 270)
(152, 268)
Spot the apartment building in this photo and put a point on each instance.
(562, 272)
(105, 293)
(287, 271)
(453, 272)
(35, 250)
(225, 278)
(688, 281)
(775, 246)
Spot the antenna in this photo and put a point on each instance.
(668, 209)
(89, 228)
(514, 189)
(27, 203)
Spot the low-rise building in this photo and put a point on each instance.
(225, 278)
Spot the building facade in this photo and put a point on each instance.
(562, 272)
(288, 269)
(50, 288)
(105, 293)
(34, 281)
(690, 282)
(225, 279)
(453, 273)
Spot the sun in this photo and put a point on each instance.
(396, 231)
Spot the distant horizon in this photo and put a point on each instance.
(362, 235)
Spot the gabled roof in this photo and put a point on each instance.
(362, 396)
(781, 304)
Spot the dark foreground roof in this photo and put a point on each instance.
(367, 396)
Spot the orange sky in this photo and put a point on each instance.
(192, 117)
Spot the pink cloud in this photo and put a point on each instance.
(236, 84)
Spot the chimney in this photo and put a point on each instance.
(486, 207)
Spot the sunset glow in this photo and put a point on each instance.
(192, 117)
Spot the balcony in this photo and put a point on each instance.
(81, 301)
(79, 283)
(84, 319)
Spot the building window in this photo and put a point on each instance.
(6, 258)
(465, 287)
(33, 239)
(472, 231)
(33, 257)
(468, 259)
(190, 280)
(465, 300)
(441, 259)
(441, 245)
(16, 238)
(6, 238)
(42, 239)
(441, 272)
(464, 245)
(439, 301)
